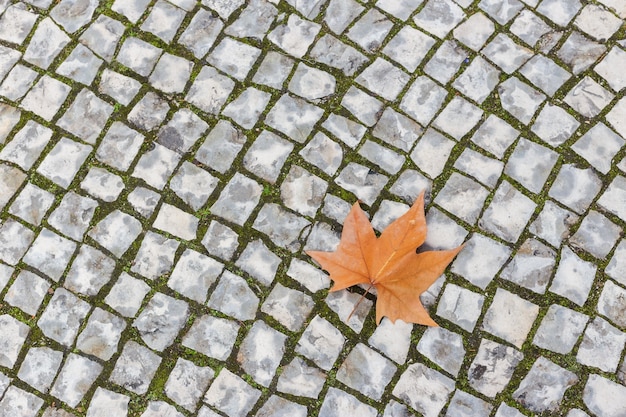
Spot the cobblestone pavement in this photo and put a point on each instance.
(165, 164)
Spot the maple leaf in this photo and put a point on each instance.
(389, 262)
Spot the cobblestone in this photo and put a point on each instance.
(165, 165)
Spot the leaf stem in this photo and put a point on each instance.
(359, 302)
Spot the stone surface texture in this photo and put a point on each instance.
(165, 165)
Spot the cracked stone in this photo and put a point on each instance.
(331, 51)
(588, 97)
(579, 52)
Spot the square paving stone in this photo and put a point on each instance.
(423, 99)
(221, 146)
(588, 97)
(445, 232)
(86, 116)
(5, 275)
(613, 197)
(495, 135)
(12, 338)
(501, 12)
(461, 307)
(149, 112)
(15, 239)
(120, 146)
(439, 18)
(384, 157)
(161, 408)
(393, 339)
(554, 125)
(246, 109)
(277, 406)
(258, 261)
(559, 11)
(531, 267)
(573, 278)
(474, 31)
(383, 78)
(50, 254)
(220, 240)
(579, 52)
(332, 52)
(608, 68)
(32, 204)
(201, 33)
(493, 367)
(17, 82)
(431, 152)
(295, 36)
(105, 402)
(234, 58)
(224, 10)
(288, 306)
(339, 14)
(603, 396)
(282, 227)
(10, 115)
(418, 378)
(531, 164)
(529, 27)
(484, 169)
(161, 320)
(510, 317)
(46, 43)
(596, 235)
(467, 405)
(597, 22)
(155, 256)
(102, 36)
(138, 55)
(101, 335)
(19, 401)
(238, 199)
(366, 371)
(321, 342)
(323, 152)
(16, 23)
(135, 368)
(311, 83)
(73, 215)
(344, 129)
(231, 395)
(81, 65)
(599, 146)
(387, 212)
(102, 184)
(444, 348)
(46, 97)
(410, 185)
(519, 99)
(612, 303)
(294, 117)
(478, 80)
(463, 197)
(602, 346)
(339, 403)
(63, 161)
(255, 20)
(27, 292)
(163, 20)
(616, 268)
(506, 54)
(370, 30)
(156, 166)
(187, 383)
(171, 73)
(616, 118)
(508, 213)
(133, 10)
(144, 200)
(108, 232)
(344, 304)
(39, 367)
(310, 277)
(209, 79)
(233, 297)
(212, 336)
(194, 274)
(408, 47)
(362, 105)
(445, 62)
(27, 144)
(480, 260)
(362, 181)
(127, 294)
(63, 317)
(458, 117)
(261, 352)
(73, 15)
(542, 389)
(560, 329)
(575, 187)
(273, 70)
(545, 74)
(397, 129)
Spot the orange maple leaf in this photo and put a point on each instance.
(389, 262)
